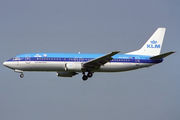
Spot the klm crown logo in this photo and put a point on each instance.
(153, 44)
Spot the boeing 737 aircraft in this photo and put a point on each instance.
(68, 65)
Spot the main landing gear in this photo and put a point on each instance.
(85, 77)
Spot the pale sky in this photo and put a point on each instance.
(89, 26)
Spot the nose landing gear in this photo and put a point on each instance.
(19, 71)
(21, 75)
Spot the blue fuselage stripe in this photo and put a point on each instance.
(61, 59)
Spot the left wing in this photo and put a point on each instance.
(97, 62)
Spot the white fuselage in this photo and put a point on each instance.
(60, 66)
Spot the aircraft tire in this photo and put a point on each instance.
(90, 74)
(85, 77)
(21, 75)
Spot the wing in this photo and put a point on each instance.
(97, 62)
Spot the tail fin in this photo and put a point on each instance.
(153, 45)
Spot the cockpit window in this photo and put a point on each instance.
(15, 58)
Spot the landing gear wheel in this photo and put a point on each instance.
(85, 77)
(21, 75)
(90, 74)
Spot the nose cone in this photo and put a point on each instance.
(5, 64)
(9, 64)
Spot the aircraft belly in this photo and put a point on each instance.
(41, 66)
(118, 67)
(48, 66)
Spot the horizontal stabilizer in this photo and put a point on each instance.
(162, 55)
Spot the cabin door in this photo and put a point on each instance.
(27, 59)
(137, 61)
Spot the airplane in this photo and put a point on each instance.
(69, 65)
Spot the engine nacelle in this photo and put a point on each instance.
(66, 74)
(73, 67)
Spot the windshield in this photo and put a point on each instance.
(15, 58)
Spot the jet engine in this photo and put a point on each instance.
(73, 67)
(66, 74)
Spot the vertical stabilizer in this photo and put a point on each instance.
(153, 45)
